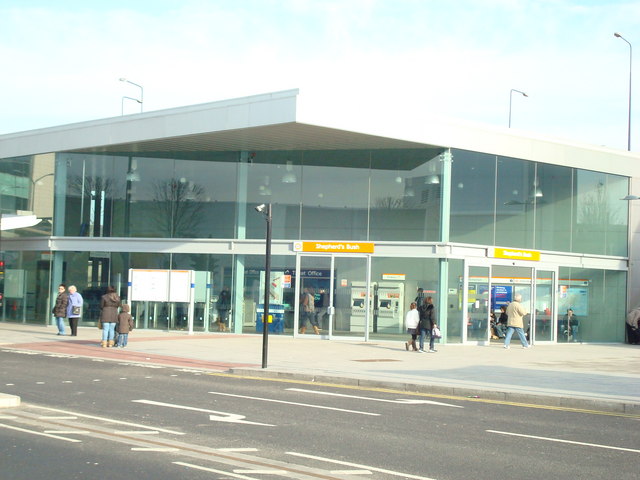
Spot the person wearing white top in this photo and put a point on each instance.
(411, 320)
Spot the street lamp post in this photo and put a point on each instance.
(141, 100)
(128, 98)
(630, 60)
(511, 99)
(265, 209)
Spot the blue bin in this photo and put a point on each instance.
(277, 314)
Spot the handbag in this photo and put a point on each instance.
(435, 333)
(76, 310)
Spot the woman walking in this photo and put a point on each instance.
(109, 304)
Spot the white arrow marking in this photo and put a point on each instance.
(404, 401)
(216, 417)
(306, 405)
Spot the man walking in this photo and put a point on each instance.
(516, 312)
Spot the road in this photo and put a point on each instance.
(85, 418)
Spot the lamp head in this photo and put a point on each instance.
(617, 35)
(122, 79)
(261, 208)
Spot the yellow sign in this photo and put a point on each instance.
(515, 254)
(334, 247)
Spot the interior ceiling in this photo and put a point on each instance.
(287, 136)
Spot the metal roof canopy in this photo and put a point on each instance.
(271, 122)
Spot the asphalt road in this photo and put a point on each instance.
(83, 418)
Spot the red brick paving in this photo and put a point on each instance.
(92, 349)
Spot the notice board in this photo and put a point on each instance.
(160, 285)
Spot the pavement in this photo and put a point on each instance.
(594, 377)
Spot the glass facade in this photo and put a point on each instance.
(386, 196)
(521, 204)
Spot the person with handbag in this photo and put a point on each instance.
(60, 309)
(74, 309)
(109, 304)
(430, 319)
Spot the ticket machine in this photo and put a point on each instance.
(388, 316)
(386, 309)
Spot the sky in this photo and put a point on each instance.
(380, 60)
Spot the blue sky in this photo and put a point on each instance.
(378, 59)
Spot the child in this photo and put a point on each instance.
(124, 326)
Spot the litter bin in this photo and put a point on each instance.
(277, 314)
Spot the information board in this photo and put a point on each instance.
(160, 285)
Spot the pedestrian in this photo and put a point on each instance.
(74, 309)
(109, 304)
(633, 330)
(124, 326)
(60, 309)
(515, 323)
(571, 320)
(427, 324)
(501, 324)
(223, 305)
(411, 320)
(307, 312)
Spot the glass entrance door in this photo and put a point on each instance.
(477, 302)
(338, 289)
(544, 300)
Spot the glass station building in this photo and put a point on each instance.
(360, 220)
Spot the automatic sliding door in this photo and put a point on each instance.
(544, 305)
(478, 289)
(351, 301)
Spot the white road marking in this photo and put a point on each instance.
(10, 384)
(58, 417)
(39, 383)
(67, 432)
(558, 440)
(8, 417)
(216, 417)
(262, 472)
(351, 472)
(213, 470)
(322, 407)
(237, 449)
(110, 420)
(96, 379)
(136, 432)
(154, 449)
(72, 440)
(67, 381)
(357, 465)
(404, 401)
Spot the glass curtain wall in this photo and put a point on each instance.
(516, 203)
(455, 295)
(597, 299)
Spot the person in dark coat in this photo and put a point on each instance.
(125, 325)
(109, 304)
(60, 309)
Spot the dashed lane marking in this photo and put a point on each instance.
(356, 465)
(33, 432)
(154, 449)
(306, 405)
(109, 420)
(571, 442)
